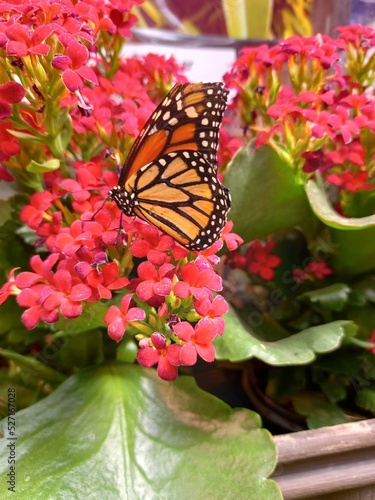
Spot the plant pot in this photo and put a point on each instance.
(328, 463)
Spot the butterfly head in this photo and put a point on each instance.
(124, 199)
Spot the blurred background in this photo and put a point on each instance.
(206, 36)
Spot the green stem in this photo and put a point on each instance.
(361, 343)
(37, 368)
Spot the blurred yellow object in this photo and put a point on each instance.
(248, 18)
(241, 19)
(292, 17)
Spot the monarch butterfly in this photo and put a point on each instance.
(169, 178)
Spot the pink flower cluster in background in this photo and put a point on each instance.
(312, 100)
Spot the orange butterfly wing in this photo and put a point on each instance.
(181, 195)
(188, 118)
(169, 178)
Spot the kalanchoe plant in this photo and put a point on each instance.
(88, 258)
(305, 108)
(88, 296)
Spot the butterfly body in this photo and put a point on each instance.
(170, 176)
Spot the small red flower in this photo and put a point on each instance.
(154, 245)
(73, 66)
(350, 181)
(10, 93)
(260, 261)
(372, 339)
(118, 318)
(153, 284)
(156, 350)
(214, 310)
(318, 269)
(316, 160)
(9, 288)
(197, 280)
(198, 341)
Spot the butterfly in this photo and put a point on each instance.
(169, 178)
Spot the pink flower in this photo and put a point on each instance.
(198, 341)
(118, 318)
(232, 240)
(350, 181)
(214, 310)
(101, 276)
(156, 350)
(9, 288)
(197, 282)
(67, 295)
(154, 245)
(153, 284)
(33, 299)
(22, 41)
(35, 213)
(73, 66)
(10, 93)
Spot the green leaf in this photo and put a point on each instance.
(365, 289)
(92, 317)
(239, 342)
(27, 137)
(41, 168)
(33, 366)
(319, 411)
(265, 194)
(333, 297)
(10, 313)
(120, 432)
(79, 350)
(5, 211)
(355, 253)
(13, 251)
(324, 211)
(366, 399)
(354, 239)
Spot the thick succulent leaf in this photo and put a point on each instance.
(324, 211)
(366, 399)
(265, 194)
(41, 168)
(333, 297)
(353, 239)
(92, 318)
(239, 342)
(120, 432)
(319, 411)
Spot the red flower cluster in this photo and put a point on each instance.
(315, 270)
(256, 260)
(78, 109)
(178, 284)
